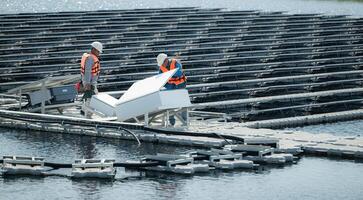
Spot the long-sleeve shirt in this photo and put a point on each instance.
(87, 78)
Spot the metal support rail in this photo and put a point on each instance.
(107, 21)
(278, 97)
(223, 35)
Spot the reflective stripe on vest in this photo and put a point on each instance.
(95, 67)
(172, 80)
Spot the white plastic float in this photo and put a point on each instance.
(176, 164)
(259, 153)
(23, 165)
(93, 168)
(221, 159)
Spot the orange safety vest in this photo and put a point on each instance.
(173, 80)
(96, 66)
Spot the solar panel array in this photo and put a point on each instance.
(274, 59)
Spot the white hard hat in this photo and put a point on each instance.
(97, 45)
(161, 58)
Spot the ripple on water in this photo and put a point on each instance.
(348, 128)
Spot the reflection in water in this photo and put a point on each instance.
(167, 189)
(91, 187)
(66, 148)
(86, 147)
(14, 179)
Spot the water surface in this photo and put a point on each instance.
(311, 178)
(348, 128)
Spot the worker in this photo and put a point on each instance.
(177, 81)
(90, 70)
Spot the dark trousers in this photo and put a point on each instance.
(174, 87)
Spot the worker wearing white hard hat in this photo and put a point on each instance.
(90, 70)
(98, 46)
(177, 81)
(161, 58)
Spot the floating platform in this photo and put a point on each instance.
(260, 154)
(176, 164)
(93, 168)
(23, 165)
(293, 142)
(221, 159)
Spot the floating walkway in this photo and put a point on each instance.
(293, 142)
(200, 133)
